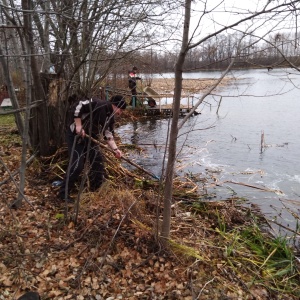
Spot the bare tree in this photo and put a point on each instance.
(68, 46)
(74, 45)
(188, 42)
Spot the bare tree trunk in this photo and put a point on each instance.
(46, 62)
(168, 192)
(18, 50)
(11, 91)
(39, 121)
(25, 135)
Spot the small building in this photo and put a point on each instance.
(6, 104)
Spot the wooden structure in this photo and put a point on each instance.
(6, 104)
(162, 106)
(165, 108)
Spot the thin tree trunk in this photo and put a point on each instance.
(168, 192)
(39, 120)
(25, 136)
(46, 62)
(11, 91)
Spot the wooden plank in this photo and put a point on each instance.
(157, 96)
(152, 93)
(167, 110)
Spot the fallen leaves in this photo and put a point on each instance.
(113, 252)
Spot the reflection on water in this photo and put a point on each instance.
(255, 101)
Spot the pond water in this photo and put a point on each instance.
(254, 102)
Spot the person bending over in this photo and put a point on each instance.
(96, 118)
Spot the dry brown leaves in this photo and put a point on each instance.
(111, 252)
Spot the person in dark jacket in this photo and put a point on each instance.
(132, 78)
(96, 118)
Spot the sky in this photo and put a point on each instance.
(226, 12)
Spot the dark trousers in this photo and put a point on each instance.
(79, 151)
(134, 94)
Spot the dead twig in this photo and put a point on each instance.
(13, 174)
(253, 186)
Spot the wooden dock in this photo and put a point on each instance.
(165, 110)
(148, 94)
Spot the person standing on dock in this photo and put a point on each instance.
(132, 78)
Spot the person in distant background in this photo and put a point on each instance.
(132, 78)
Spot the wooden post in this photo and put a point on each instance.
(262, 141)
(219, 105)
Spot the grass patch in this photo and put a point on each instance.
(272, 254)
(270, 260)
(8, 134)
(7, 120)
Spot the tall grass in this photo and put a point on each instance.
(271, 260)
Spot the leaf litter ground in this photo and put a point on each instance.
(218, 249)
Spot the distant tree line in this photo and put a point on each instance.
(278, 50)
(52, 49)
